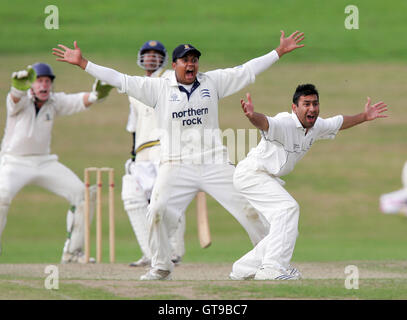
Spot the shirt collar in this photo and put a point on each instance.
(296, 120)
(188, 93)
(299, 125)
(173, 80)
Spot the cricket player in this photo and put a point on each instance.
(286, 138)
(396, 201)
(193, 157)
(25, 156)
(141, 170)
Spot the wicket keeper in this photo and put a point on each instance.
(25, 156)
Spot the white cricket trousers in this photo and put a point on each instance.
(44, 171)
(267, 195)
(177, 184)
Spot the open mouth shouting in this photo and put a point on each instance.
(41, 88)
(42, 94)
(190, 74)
(311, 118)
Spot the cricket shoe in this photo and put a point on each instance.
(156, 274)
(273, 274)
(234, 276)
(293, 271)
(142, 262)
(76, 257)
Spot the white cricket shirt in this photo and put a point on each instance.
(189, 122)
(285, 142)
(29, 134)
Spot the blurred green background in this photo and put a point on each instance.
(338, 184)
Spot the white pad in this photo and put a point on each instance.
(76, 223)
(133, 195)
(69, 221)
(3, 219)
(138, 221)
(145, 172)
(135, 203)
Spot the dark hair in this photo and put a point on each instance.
(304, 90)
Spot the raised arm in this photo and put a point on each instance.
(371, 112)
(259, 120)
(21, 81)
(288, 44)
(72, 56)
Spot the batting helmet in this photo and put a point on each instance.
(43, 70)
(159, 48)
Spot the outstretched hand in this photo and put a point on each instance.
(290, 43)
(259, 120)
(371, 113)
(247, 107)
(72, 56)
(375, 111)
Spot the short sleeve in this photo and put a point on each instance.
(276, 130)
(328, 128)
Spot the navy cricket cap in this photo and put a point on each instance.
(43, 70)
(182, 50)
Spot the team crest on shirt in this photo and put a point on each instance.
(48, 117)
(174, 98)
(205, 93)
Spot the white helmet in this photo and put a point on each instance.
(161, 57)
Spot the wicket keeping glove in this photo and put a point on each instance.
(21, 81)
(100, 90)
